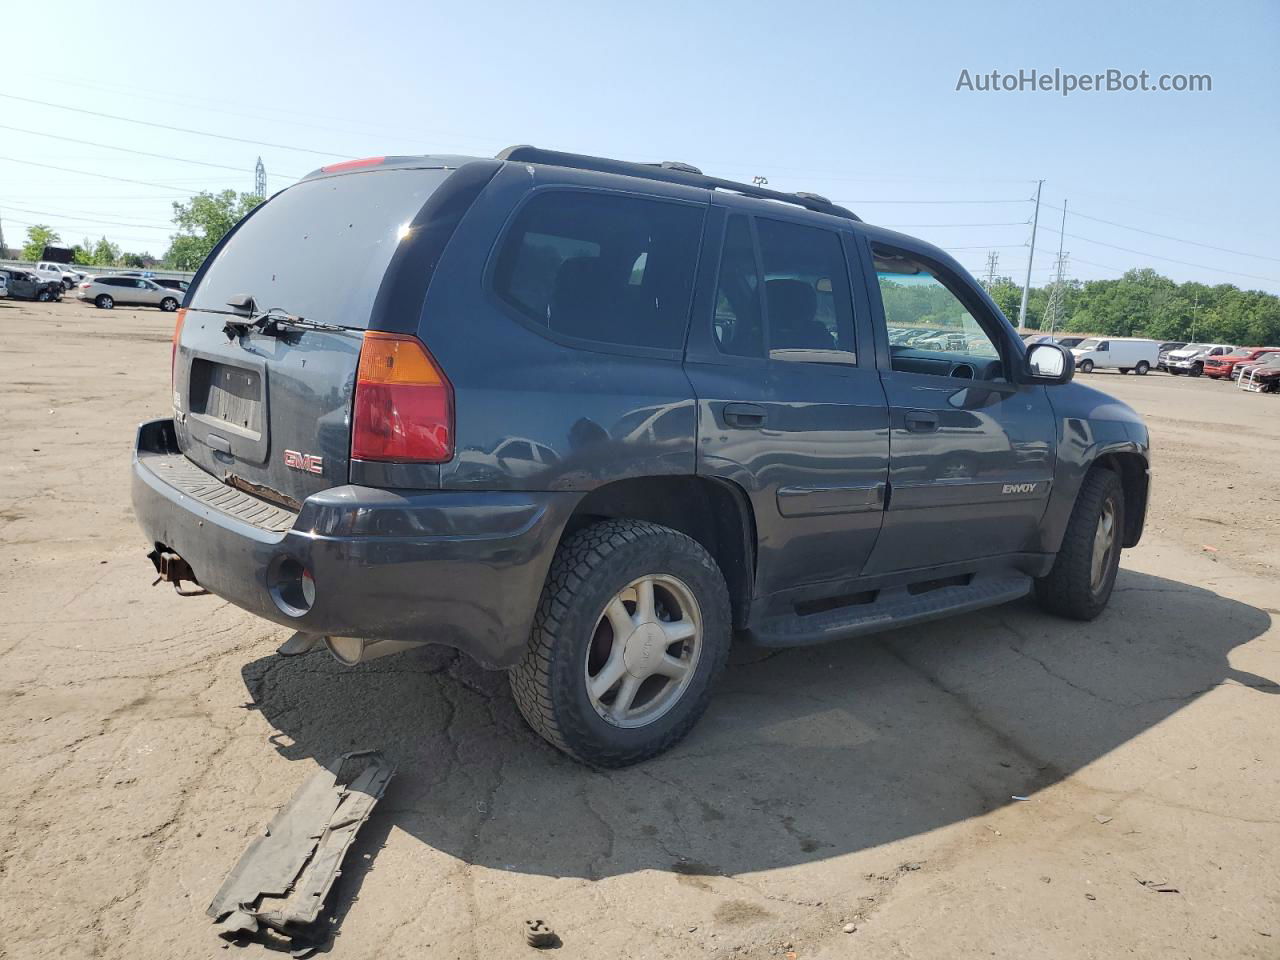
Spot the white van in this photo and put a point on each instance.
(1118, 353)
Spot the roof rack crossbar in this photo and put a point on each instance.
(670, 172)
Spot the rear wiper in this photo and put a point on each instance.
(272, 322)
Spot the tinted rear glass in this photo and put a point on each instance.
(604, 267)
(321, 248)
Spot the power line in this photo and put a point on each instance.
(166, 126)
(90, 173)
(1019, 200)
(1165, 236)
(140, 153)
(1156, 256)
(70, 216)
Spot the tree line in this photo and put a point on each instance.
(1143, 303)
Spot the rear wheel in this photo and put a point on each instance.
(168, 304)
(630, 634)
(1084, 572)
(104, 302)
(1086, 366)
(1142, 368)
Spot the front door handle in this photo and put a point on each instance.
(745, 415)
(921, 421)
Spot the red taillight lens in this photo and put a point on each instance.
(173, 351)
(352, 164)
(403, 403)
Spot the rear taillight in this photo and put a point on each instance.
(353, 165)
(403, 403)
(173, 351)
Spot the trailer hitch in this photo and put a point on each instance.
(173, 569)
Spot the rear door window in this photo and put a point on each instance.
(806, 287)
(604, 267)
(739, 319)
(320, 249)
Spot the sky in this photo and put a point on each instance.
(853, 100)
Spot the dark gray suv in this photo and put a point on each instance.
(588, 421)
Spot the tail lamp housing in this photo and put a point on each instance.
(173, 350)
(403, 403)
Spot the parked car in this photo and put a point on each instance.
(1116, 353)
(173, 283)
(1070, 342)
(587, 420)
(944, 341)
(1165, 349)
(1223, 367)
(25, 285)
(61, 272)
(106, 292)
(4, 284)
(1262, 376)
(1190, 359)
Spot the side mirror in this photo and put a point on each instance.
(1050, 363)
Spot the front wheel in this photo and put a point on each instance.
(1197, 369)
(1142, 368)
(630, 634)
(44, 296)
(1086, 366)
(1084, 572)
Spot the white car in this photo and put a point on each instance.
(1190, 359)
(1116, 353)
(48, 270)
(106, 292)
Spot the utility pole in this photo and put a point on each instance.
(260, 179)
(1060, 266)
(4, 251)
(993, 262)
(1194, 307)
(1026, 286)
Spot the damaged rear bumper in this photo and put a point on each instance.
(460, 568)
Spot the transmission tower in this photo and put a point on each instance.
(260, 179)
(993, 264)
(1053, 312)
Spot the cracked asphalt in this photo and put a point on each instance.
(868, 785)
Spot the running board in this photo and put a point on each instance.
(892, 607)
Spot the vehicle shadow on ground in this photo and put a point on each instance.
(805, 754)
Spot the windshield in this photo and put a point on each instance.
(1194, 347)
(320, 248)
(1241, 352)
(1087, 344)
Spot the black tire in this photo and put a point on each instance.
(1069, 589)
(590, 568)
(104, 302)
(1197, 369)
(168, 304)
(1086, 366)
(1142, 369)
(44, 296)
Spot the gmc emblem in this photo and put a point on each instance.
(306, 462)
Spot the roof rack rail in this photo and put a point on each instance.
(670, 171)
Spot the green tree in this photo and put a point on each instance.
(204, 220)
(39, 237)
(105, 254)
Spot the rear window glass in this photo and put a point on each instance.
(603, 267)
(320, 249)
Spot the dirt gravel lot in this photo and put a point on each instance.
(146, 738)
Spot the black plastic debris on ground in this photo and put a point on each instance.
(279, 886)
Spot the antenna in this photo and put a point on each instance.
(260, 179)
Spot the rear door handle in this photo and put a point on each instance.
(921, 421)
(746, 415)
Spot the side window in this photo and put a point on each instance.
(806, 286)
(1104, 346)
(739, 323)
(925, 319)
(604, 267)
